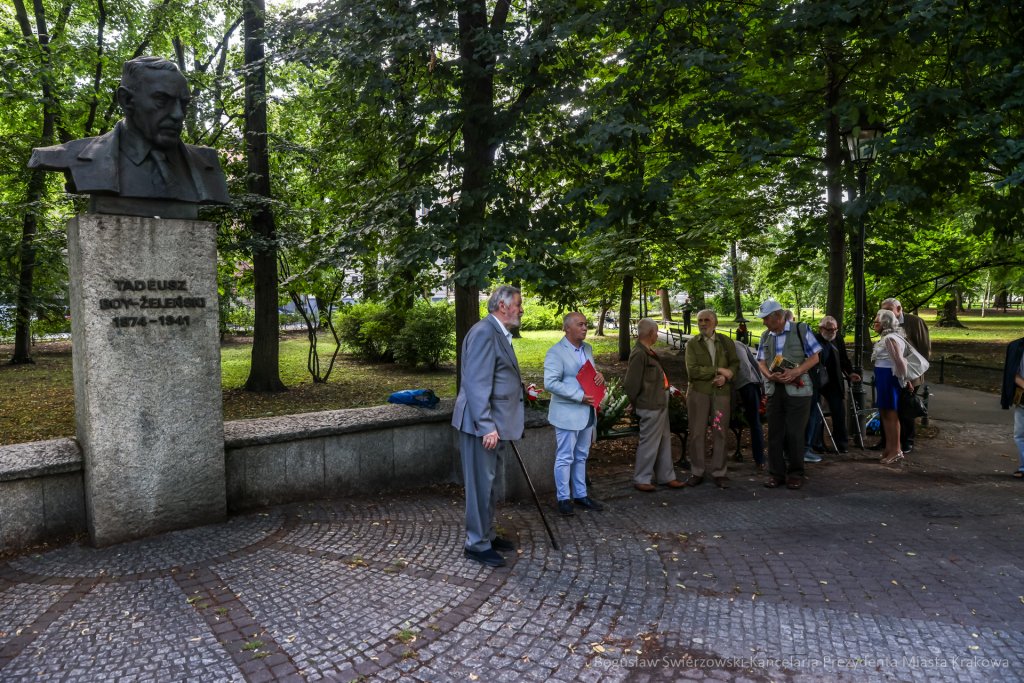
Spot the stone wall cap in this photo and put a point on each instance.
(56, 456)
(39, 458)
(268, 430)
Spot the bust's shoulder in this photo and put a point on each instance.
(59, 157)
(208, 155)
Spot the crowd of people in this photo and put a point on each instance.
(793, 370)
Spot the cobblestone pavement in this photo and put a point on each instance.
(867, 574)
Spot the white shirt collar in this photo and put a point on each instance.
(508, 335)
(784, 330)
(901, 318)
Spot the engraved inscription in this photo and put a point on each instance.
(124, 303)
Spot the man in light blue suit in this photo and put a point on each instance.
(489, 409)
(571, 412)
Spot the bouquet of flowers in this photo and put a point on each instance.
(612, 408)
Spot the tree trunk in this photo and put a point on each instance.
(476, 91)
(699, 302)
(988, 291)
(600, 322)
(947, 316)
(625, 313)
(264, 373)
(736, 285)
(36, 191)
(666, 305)
(835, 300)
(959, 300)
(467, 314)
(1001, 298)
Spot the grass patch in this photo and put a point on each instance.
(254, 645)
(406, 635)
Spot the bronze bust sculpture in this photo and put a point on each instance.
(142, 167)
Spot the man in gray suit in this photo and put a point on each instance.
(489, 409)
(571, 412)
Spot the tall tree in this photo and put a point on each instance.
(264, 370)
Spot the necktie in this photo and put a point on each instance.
(167, 183)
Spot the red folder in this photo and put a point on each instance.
(586, 379)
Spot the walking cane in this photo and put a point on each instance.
(536, 500)
(856, 415)
(830, 435)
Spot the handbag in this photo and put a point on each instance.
(911, 405)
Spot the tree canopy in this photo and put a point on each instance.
(577, 147)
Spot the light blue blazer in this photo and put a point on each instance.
(560, 367)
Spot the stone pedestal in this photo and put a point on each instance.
(148, 406)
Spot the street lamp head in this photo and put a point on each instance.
(862, 141)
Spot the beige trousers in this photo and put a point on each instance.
(654, 453)
(698, 407)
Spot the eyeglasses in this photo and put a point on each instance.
(830, 329)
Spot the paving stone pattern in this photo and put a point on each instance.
(912, 576)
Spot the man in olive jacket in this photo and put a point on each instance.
(711, 365)
(646, 386)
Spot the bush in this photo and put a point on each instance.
(428, 336)
(536, 316)
(368, 329)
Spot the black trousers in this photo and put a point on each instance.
(750, 398)
(686, 322)
(787, 432)
(836, 406)
(908, 428)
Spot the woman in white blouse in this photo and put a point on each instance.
(890, 362)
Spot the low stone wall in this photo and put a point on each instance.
(270, 461)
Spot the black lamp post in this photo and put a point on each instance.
(861, 141)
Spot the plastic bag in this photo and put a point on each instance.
(415, 397)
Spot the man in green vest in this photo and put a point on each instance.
(788, 350)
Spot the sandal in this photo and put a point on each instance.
(893, 459)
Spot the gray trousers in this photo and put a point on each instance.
(480, 468)
(654, 452)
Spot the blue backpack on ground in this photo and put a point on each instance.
(415, 397)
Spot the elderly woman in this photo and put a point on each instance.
(888, 356)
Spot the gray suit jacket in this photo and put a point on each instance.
(491, 395)
(91, 166)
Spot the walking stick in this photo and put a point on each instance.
(825, 423)
(856, 415)
(536, 500)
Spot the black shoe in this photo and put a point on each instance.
(880, 446)
(488, 558)
(502, 544)
(588, 502)
(818, 450)
(909, 448)
(565, 507)
(844, 449)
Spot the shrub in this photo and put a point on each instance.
(428, 336)
(368, 329)
(536, 316)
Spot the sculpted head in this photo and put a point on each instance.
(154, 97)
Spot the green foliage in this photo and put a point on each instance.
(538, 316)
(368, 329)
(428, 336)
